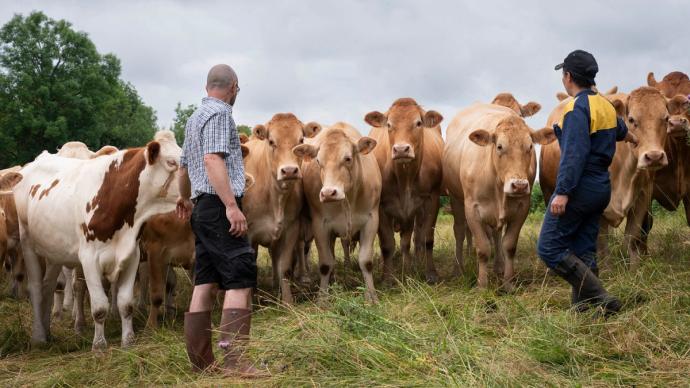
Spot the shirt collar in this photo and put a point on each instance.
(217, 101)
(586, 91)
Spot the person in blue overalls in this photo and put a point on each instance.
(587, 135)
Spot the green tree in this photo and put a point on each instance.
(246, 129)
(55, 87)
(182, 114)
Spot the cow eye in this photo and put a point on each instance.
(499, 147)
(419, 123)
(348, 159)
(271, 143)
(631, 120)
(301, 140)
(667, 118)
(388, 124)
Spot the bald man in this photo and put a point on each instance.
(211, 188)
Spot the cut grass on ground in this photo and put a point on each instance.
(450, 334)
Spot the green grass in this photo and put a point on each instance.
(450, 334)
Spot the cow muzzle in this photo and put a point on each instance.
(678, 126)
(288, 173)
(516, 187)
(652, 160)
(403, 152)
(331, 194)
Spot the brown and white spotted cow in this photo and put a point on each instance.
(90, 212)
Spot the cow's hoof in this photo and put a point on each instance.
(371, 297)
(128, 340)
(508, 287)
(304, 280)
(100, 345)
(432, 277)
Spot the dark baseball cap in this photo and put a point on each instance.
(580, 64)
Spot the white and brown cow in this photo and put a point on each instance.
(89, 212)
(274, 203)
(489, 168)
(408, 152)
(342, 185)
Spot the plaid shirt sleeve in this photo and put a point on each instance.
(216, 134)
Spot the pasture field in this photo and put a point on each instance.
(450, 334)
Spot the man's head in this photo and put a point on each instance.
(221, 83)
(579, 70)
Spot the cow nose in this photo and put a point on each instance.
(519, 186)
(289, 171)
(402, 151)
(329, 194)
(653, 156)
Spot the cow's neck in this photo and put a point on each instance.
(407, 174)
(279, 197)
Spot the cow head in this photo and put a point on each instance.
(282, 134)
(337, 157)
(509, 101)
(8, 180)
(679, 109)
(513, 152)
(672, 84)
(405, 121)
(646, 114)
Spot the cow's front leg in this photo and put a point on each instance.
(424, 237)
(34, 272)
(285, 252)
(366, 248)
(482, 243)
(125, 298)
(326, 260)
(98, 299)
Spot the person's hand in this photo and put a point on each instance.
(183, 208)
(632, 139)
(558, 204)
(238, 223)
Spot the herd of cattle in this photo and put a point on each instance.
(81, 220)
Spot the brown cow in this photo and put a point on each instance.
(342, 185)
(273, 205)
(672, 84)
(632, 170)
(408, 152)
(10, 252)
(509, 101)
(489, 167)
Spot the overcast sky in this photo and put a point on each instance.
(337, 60)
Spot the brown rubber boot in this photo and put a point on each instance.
(197, 336)
(235, 325)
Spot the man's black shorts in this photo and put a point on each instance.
(220, 257)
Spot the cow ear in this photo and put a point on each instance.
(561, 96)
(243, 138)
(678, 105)
(482, 137)
(543, 136)
(611, 91)
(375, 119)
(530, 109)
(153, 150)
(245, 150)
(248, 181)
(105, 150)
(432, 119)
(311, 129)
(621, 109)
(651, 81)
(365, 145)
(9, 180)
(305, 151)
(260, 132)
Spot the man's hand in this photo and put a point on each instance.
(631, 138)
(238, 224)
(558, 204)
(183, 209)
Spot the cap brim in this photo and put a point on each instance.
(559, 66)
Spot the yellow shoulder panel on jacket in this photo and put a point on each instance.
(568, 108)
(602, 114)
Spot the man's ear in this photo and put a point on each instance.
(482, 137)
(621, 109)
(153, 150)
(543, 136)
(9, 179)
(375, 119)
(530, 109)
(305, 151)
(260, 132)
(432, 119)
(311, 129)
(365, 145)
(561, 96)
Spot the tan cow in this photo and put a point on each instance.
(342, 185)
(509, 101)
(489, 167)
(646, 114)
(273, 205)
(10, 252)
(672, 84)
(408, 152)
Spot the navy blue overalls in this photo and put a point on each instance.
(587, 135)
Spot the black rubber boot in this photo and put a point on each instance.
(575, 297)
(587, 288)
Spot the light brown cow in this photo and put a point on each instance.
(342, 185)
(632, 170)
(273, 205)
(10, 252)
(672, 183)
(509, 101)
(408, 152)
(489, 168)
